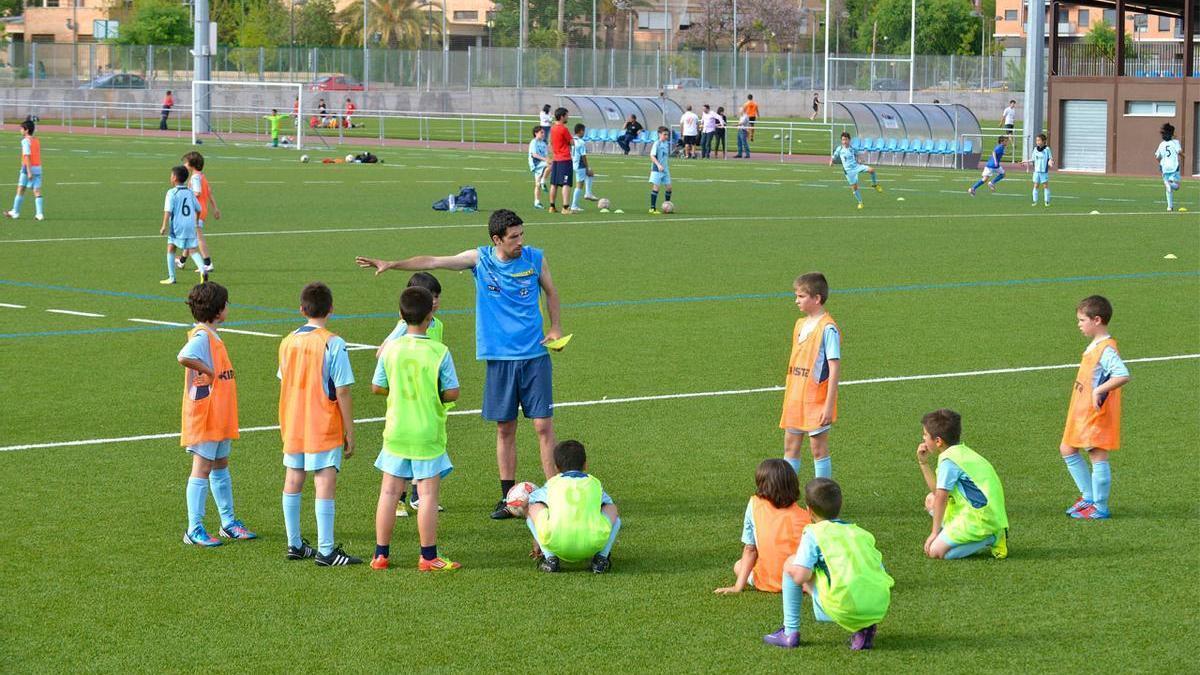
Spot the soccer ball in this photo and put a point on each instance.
(603, 203)
(667, 207)
(304, 159)
(349, 158)
(517, 499)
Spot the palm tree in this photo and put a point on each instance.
(401, 24)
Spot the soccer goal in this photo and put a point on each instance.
(246, 113)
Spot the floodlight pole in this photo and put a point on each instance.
(825, 98)
(912, 49)
(1035, 74)
(735, 51)
(201, 67)
(366, 65)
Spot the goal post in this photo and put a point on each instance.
(233, 112)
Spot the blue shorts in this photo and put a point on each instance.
(527, 381)
(212, 450)
(1168, 177)
(1041, 177)
(852, 174)
(34, 181)
(413, 469)
(580, 175)
(182, 243)
(660, 177)
(560, 173)
(810, 433)
(314, 461)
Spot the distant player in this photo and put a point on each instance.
(180, 211)
(571, 517)
(993, 171)
(30, 175)
(583, 172)
(273, 120)
(1169, 154)
(814, 371)
(198, 184)
(348, 118)
(561, 177)
(660, 172)
(1094, 415)
(849, 159)
(1008, 119)
(539, 164)
(1042, 160)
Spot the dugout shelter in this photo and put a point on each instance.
(604, 117)
(920, 134)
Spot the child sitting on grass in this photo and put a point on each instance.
(571, 517)
(771, 529)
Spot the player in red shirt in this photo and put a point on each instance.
(561, 173)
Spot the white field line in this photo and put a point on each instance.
(11, 306)
(248, 332)
(357, 346)
(74, 313)
(162, 323)
(583, 222)
(627, 399)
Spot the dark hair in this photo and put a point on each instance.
(180, 173)
(1012, 100)
(28, 125)
(206, 300)
(416, 304)
(194, 160)
(845, 134)
(689, 107)
(569, 456)
(824, 497)
(1002, 139)
(720, 110)
(560, 113)
(501, 220)
(706, 107)
(632, 116)
(664, 130)
(427, 281)
(316, 300)
(1096, 306)
(775, 481)
(1042, 136)
(749, 97)
(168, 92)
(536, 130)
(1168, 131)
(814, 283)
(945, 424)
(546, 108)
(579, 128)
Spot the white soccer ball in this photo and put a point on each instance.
(349, 158)
(667, 207)
(517, 499)
(603, 203)
(304, 159)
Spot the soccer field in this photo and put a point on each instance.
(682, 327)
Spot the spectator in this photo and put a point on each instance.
(689, 127)
(167, 104)
(632, 129)
(545, 119)
(719, 139)
(322, 111)
(743, 142)
(751, 110)
(816, 105)
(708, 126)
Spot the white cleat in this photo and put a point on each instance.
(39, 217)
(12, 214)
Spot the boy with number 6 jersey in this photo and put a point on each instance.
(180, 211)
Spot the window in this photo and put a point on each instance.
(1141, 23)
(1010, 15)
(653, 20)
(466, 15)
(1164, 23)
(1110, 17)
(1084, 18)
(51, 3)
(1150, 108)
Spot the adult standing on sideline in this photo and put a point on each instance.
(632, 129)
(708, 129)
(545, 119)
(719, 138)
(750, 107)
(689, 128)
(743, 133)
(1008, 119)
(562, 173)
(167, 104)
(509, 279)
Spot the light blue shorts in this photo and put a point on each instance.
(536, 171)
(852, 174)
(1168, 177)
(1041, 177)
(314, 461)
(182, 243)
(660, 177)
(212, 450)
(413, 469)
(34, 181)
(813, 432)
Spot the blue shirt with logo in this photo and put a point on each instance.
(508, 318)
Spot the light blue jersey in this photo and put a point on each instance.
(661, 150)
(1110, 364)
(335, 369)
(447, 375)
(537, 148)
(183, 208)
(950, 476)
(578, 152)
(1041, 158)
(1168, 156)
(198, 349)
(508, 319)
(401, 329)
(849, 159)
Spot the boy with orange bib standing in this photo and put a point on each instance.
(1094, 416)
(198, 184)
(316, 422)
(210, 417)
(771, 529)
(814, 369)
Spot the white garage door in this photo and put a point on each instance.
(1085, 135)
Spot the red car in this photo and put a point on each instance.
(336, 83)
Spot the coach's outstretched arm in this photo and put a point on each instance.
(463, 261)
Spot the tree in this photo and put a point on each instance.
(265, 25)
(541, 15)
(399, 24)
(11, 7)
(943, 26)
(1103, 39)
(156, 22)
(770, 23)
(315, 25)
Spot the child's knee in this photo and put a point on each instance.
(222, 463)
(929, 502)
(610, 510)
(1066, 450)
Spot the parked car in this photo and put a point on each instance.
(889, 84)
(336, 83)
(688, 83)
(118, 81)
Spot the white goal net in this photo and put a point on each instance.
(248, 113)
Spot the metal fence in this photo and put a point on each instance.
(1143, 59)
(76, 65)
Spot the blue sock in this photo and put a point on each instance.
(533, 531)
(575, 198)
(1170, 198)
(291, 519)
(171, 266)
(16, 209)
(793, 462)
(653, 198)
(587, 184)
(1046, 194)
(1101, 483)
(197, 495)
(325, 510)
(997, 179)
(874, 178)
(793, 595)
(1081, 474)
(857, 195)
(823, 468)
(612, 538)
(964, 550)
(37, 203)
(977, 184)
(1035, 194)
(429, 552)
(221, 485)
(198, 260)
(383, 549)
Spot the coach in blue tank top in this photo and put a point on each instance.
(510, 278)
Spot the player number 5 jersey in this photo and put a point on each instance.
(1168, 155)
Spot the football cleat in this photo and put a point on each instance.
(781, 638)
(198, 536)
(438, 564)
(379, 562)
(337, 558)
(236, 530)
(301, 552)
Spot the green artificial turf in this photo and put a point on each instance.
(95, 577)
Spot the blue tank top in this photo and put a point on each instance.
(508, 319)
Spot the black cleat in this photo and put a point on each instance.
(601, 563)
(337, 558)
(501, 512)
(548, 564)
(304, 551)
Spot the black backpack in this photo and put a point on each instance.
(466, 200)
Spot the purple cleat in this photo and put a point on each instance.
(863, 639)
(781, 638)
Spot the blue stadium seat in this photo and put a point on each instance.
(913, 149)
(856, 145)
(890, 147)
(968, 146)
(927, 149)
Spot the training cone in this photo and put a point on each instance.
(1094, 213)
(1170, 256)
